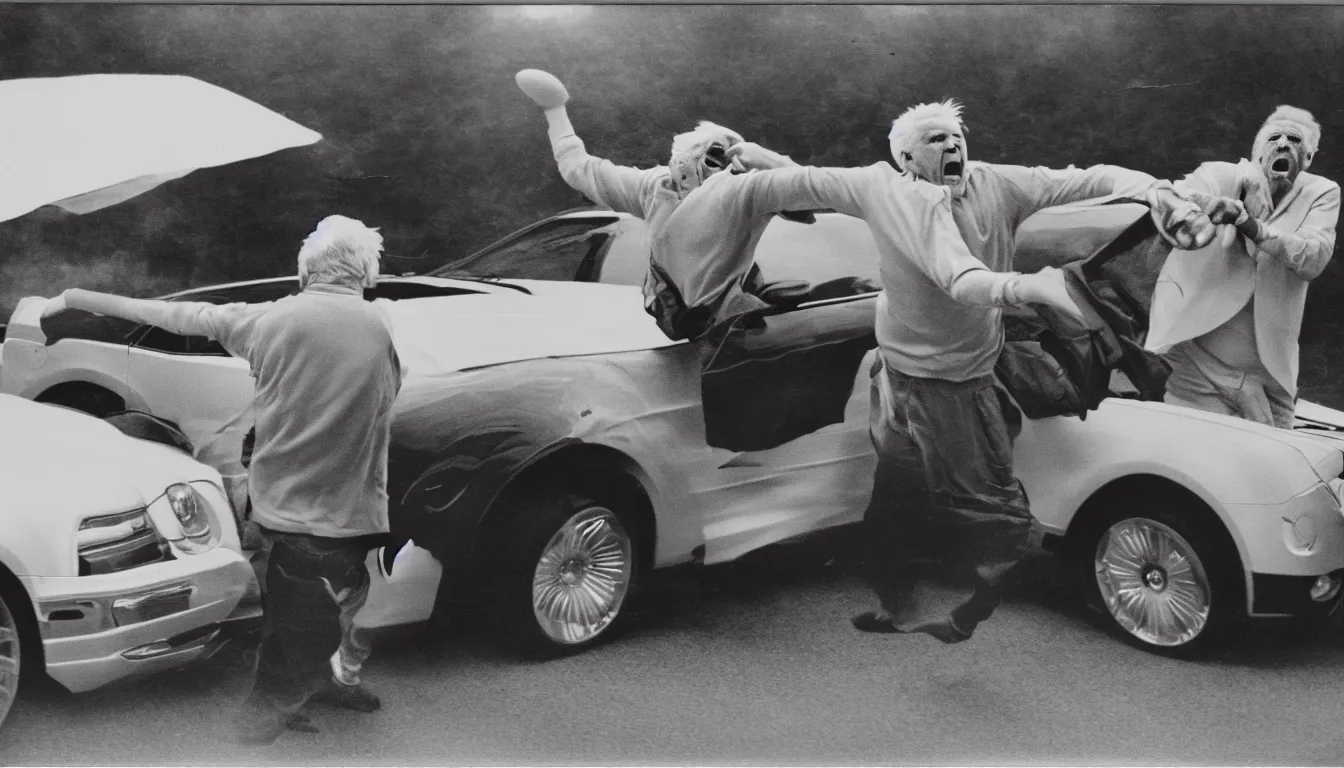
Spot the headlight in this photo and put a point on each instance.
(192, 514)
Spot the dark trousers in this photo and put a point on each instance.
(946, 509)
(312, 588)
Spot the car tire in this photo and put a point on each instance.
(12, 638)
(566, 566)
(1166, 579)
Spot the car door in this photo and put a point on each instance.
(191, 380)
(786, 398)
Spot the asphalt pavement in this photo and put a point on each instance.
(753, 663)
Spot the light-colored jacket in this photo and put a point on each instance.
(1198, 291)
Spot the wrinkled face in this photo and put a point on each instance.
(938, 154)
(690, 170)
(1283, 155)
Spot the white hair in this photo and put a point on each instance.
(341, 250)
(903, 133)
(705, 134)
(688, 167)
(1300, 119)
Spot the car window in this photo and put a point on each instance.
(560, 249)
(832, 247)
(627, 260)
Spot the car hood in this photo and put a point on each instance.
(1326, 456)
(60, 465)
(1319, 423)
(437, 336)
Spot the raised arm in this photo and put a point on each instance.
(618, 187)
(226, 323)
(1182, 222)
(916, 220)
(1039, 187)
(790, 187)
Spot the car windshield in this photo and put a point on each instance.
(557, 249)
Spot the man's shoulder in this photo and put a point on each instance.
(1317, 185)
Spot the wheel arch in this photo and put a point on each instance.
(611, 473)
(30, 637)
(58, 391)
(1136, 486)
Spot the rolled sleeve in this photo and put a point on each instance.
(618, 187)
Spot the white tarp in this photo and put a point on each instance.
(90, 141)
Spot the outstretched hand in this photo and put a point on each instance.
(542, 87)
(1048, 287)
(750, 156)
(1182, 222)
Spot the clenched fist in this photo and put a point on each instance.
(542, 87)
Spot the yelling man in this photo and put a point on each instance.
(1227, 318)
(688, 293)
(326, 374)
(945, 500)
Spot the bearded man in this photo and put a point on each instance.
(945, 501)
(691, 291)
(1228, 317)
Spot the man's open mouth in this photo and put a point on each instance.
(952, 169)
(1281, 165)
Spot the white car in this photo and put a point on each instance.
(551, 446)
(118, 556)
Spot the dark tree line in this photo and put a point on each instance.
(426, 135)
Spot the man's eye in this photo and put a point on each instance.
(1295, 139)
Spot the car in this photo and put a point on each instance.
(119, 556)
(551, 447)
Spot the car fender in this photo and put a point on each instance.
(460, 441)
(29, 548)
(31, 370)
(1065, 462)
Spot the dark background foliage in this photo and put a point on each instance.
(426, 135)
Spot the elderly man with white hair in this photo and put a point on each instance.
(945, 500)
(326, 373)
(686, 291)
(1227, 318)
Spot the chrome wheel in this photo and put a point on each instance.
(582, 577)
(1152, 581)
(9, 659)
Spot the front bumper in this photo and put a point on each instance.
(1287, 547)
(98, 629)
(1291, 596)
